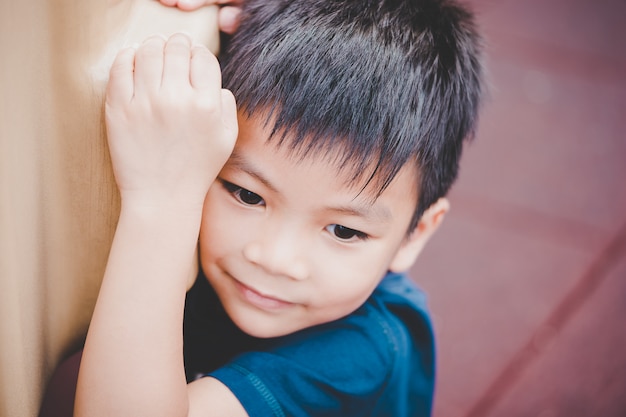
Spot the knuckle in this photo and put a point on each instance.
(177, 49)
(206, 104)
(151, 46)
(204, 56)
(169, 102)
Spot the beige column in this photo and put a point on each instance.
(58, 201)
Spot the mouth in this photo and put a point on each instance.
(260, 300)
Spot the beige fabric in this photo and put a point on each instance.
(58, 202)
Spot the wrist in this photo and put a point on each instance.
(165, 236)
(150, 205)
(174, 219)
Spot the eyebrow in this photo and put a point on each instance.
(240, 163)
(379, 214)
(370, 212)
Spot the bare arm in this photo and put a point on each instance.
(171, 128)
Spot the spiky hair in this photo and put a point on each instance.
(376, 83)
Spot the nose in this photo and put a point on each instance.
(278, 252)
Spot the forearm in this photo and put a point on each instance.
(170, 128)
(133, 361)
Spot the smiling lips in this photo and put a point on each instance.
(259, 300)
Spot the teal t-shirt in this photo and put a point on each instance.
(377, 361)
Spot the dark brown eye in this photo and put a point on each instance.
(244, 196)
(249, 197)
(345, 233)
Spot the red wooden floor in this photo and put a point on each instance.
(527, 278)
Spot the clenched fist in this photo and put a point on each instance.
(170, 125)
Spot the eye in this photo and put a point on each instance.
(244, 196)
(345, 233)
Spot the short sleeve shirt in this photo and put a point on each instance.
(377, 361)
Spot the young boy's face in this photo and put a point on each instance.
(287, 244)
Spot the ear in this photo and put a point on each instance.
(415, 241)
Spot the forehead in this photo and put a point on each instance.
(351, 170)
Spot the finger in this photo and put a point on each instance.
(120, 88)
(194, 4)
(229, 112)
(176, 56)
(149, 65)
(231, 2)
(168, 2)
(204, 72)
(228, 19)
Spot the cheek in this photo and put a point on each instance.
(341, 298)
(347, 281)
(219, 226)
(352, 279)
(226, 229)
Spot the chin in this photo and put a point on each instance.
(262, 330)
(257, 324)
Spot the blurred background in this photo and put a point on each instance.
(527, 276)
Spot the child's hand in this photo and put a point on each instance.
(170, 125)
(228, 17)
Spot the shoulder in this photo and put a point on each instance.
(409, 392)
(405, 311)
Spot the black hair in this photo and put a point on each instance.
(381, 82)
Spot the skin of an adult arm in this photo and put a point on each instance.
(171, 128)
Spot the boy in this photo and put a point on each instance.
(351, 117)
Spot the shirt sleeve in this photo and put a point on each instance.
(337, 369)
